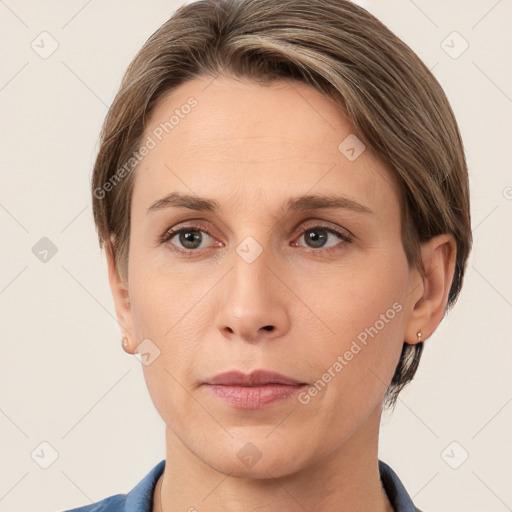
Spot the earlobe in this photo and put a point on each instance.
(438, 255)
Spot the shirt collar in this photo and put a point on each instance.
(140, 498)
(398, 496)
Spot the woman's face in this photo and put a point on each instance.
(253, 284)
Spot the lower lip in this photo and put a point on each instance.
(254, 397)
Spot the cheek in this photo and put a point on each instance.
(168, 308)
(166, 313)
(365, 313)
(159, 295)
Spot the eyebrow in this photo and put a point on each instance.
(295, 204)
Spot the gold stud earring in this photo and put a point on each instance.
(125, 342)
(419, 334)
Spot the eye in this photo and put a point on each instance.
(317, 237)
(187, 239)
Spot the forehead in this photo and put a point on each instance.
(227, 138)
(237, 116)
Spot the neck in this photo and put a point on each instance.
(345, 479)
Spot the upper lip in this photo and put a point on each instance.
(255, 378)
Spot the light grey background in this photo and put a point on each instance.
(64, 377)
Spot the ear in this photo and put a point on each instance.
(121, 300)
(438, 255)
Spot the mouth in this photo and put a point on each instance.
(258, 390)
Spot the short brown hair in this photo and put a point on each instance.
(394, 102)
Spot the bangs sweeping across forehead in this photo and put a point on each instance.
(395, 104)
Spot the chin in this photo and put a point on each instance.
(257, 459)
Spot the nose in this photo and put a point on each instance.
(253, 301)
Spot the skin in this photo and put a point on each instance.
(252, 147)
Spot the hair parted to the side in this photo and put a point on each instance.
(395, 104)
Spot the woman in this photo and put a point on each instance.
(282, 194)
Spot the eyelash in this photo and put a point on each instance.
(169, 234)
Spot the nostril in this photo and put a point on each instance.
(269, 327)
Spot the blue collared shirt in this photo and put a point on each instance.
(140, 498)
